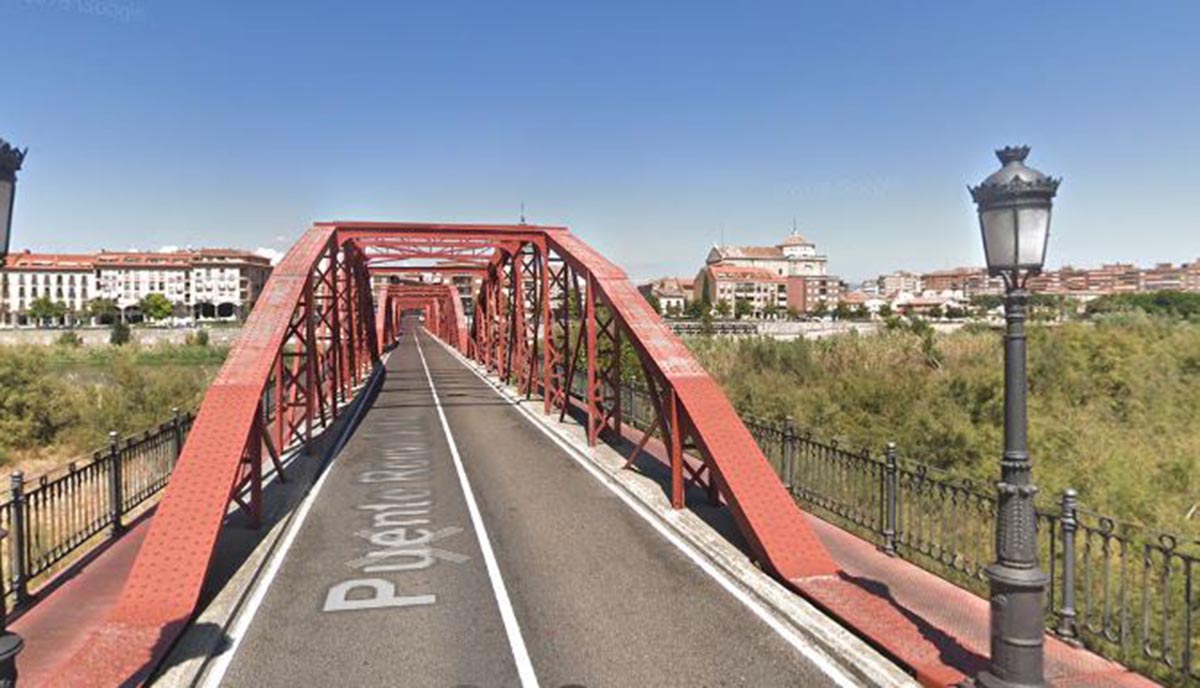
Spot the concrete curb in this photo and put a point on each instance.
(842, 648)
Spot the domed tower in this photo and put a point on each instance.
(796, 246)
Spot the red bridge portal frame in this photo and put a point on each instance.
(549, 309)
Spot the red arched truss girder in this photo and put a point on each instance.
(440, 304)
(549, 310)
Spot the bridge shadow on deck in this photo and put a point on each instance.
(651, 463)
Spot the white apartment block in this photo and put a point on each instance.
(27, 277)
(201, 284)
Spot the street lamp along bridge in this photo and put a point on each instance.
(1014, 217)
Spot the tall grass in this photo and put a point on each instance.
(1114, 404)
(58, 402)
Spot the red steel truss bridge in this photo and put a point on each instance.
(516, 567)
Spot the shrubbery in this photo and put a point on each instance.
(120, 334)
(1167, 303)
(199, 338)
(60, 402)
(1114, 405)
(69, 338)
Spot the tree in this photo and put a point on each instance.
(103, 310)
(654, 303)
(43, 309)
(742, 308)
(820, 310)
(696, 309)
(723, 308)
(842, 311)
(861, 312)
(155, 306)
(673, 310)
(936, 312)
(771, 310)
(885, 311)
(985, 303)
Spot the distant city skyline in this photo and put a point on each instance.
(644, 131)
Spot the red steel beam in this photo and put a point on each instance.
(222, 453)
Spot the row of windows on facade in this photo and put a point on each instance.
(70, 292)
(174, 275)
(751, 286)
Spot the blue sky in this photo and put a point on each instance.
(649, 128)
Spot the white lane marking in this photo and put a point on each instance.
(216, 671)
(515, 640)
(814, 654)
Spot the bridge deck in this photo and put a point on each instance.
(598, 596)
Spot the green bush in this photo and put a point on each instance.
(70, 339)
(199, 338)
(1173, 304)
(120, 334)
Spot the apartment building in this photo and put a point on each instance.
(201, 284)
(965, 282)
(1110, 278)
(789, 276)
(27, 277)
(806, 294)
(763, 290)
(899, 282)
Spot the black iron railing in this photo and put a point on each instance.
(1117, 588)
(60, 516)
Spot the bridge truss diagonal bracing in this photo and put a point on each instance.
(547, 313)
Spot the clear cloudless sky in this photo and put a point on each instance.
(650, 128)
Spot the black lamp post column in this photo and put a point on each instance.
(1017, 585)
(1014, 217)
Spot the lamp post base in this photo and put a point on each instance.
(11, 645)
(1017, 631)
(986, 679)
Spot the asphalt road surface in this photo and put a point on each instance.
(398, 576)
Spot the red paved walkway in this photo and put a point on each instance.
(938, 628)
(58, 625)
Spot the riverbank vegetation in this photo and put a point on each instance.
(1114, 403)
(59, 402)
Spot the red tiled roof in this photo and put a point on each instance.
(42, 262)
(141, 259)
(733, 272)
(761, 252)
(34, 262)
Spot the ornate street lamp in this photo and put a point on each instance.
(10, 161)
(1014, 216)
